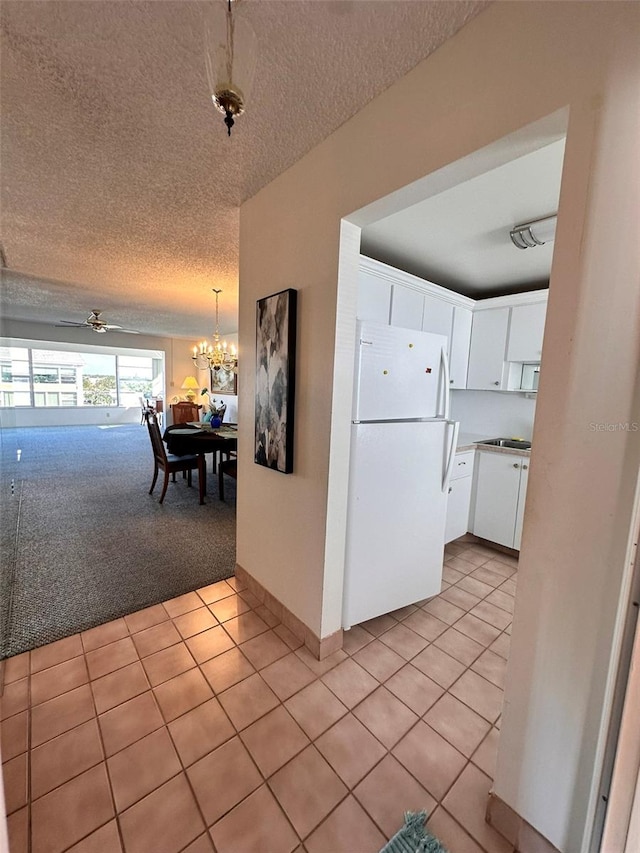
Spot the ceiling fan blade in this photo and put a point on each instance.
(94, 323)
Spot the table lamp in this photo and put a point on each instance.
(190, 385)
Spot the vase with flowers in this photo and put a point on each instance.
(215, 415)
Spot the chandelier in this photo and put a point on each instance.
(216, 356)
(230, 60)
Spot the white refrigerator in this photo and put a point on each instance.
(402, 449)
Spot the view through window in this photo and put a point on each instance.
(42, 377)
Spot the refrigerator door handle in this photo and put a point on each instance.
(357, 377)
(452, 452)
(444, 373)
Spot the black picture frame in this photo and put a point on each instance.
(276, 322)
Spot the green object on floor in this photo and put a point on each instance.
(414, 837)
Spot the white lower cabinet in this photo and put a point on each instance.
(459, 499)
(522, 498)
(500, 492)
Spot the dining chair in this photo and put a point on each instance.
(170, 464)
(230, 468)
(185, 412)
(144, 407)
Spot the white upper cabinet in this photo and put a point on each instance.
(526, 332)
(459, 347)
(437, 316)
(406, 307)
(374, 298)
(488, 347)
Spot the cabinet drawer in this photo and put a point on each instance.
(462, 465)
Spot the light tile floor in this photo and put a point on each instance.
(202, 725)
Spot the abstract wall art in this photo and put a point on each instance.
(275, 380)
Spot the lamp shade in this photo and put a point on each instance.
(190, 384)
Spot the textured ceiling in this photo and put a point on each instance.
(120, 189)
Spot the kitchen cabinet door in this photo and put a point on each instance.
(496, 501)
(488, 348)
(406, 307)
(374, 298)
(522, 497)
(459, 347)
(437, 316)
(526, 332)
(458, 505)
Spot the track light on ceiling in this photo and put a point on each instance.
(535, 233)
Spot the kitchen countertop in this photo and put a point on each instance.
(470, 441)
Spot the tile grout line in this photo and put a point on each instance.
(104, 761)
(281, 702)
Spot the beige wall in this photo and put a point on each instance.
(514, 64)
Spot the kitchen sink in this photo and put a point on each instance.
(513, 443)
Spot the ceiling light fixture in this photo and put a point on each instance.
(230, 59)
(217, 356)
(535, 233)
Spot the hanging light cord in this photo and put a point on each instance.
(230, 34)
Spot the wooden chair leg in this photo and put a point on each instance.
(189, 478)
(220, 483)
(155, 477)
(202, 476)
(165, 484)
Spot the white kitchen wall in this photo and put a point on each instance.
(496, 413)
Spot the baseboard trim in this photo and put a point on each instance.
(515, 829)
(319, 648)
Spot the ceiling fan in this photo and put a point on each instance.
(94, 321)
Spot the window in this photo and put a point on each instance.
(99, 386)
(91, 377)
(15, 383)
(45, 375)
(135, 377)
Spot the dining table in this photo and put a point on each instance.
(194, 438)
